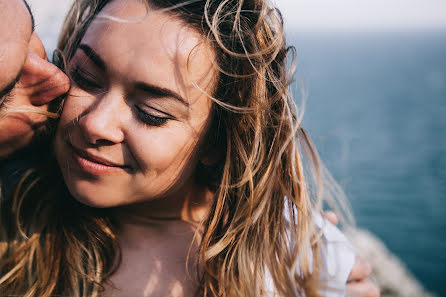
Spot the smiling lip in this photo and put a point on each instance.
(95, 165)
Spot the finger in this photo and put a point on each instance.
(360, 271)
(331, 217)
(41, 81)
(362, 289)
(36, 45)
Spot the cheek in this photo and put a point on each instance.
(12, 57)
(167, 163)
(18, 127)
(17, 130)
(72, 109)
(164, 150)
(170, 148)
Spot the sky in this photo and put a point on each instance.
(304, 15)
(371, 15)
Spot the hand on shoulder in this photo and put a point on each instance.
(358, 284)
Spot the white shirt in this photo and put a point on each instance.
(338, 260)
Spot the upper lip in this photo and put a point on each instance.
(97, 159)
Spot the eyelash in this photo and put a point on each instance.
(88, 85)
(149, 119)
(5, 100)
(80, 78)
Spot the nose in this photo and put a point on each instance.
(101, 123)
(41, 80)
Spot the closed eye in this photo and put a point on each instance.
(149, 119)
(5, 100)
(84, 80)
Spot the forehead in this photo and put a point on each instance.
(157, 46)
(15, 33)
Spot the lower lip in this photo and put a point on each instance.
(94, 168)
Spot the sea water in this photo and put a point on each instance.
(376, 109)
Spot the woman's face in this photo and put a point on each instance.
(135, 117)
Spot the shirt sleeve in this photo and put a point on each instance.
(338, 257)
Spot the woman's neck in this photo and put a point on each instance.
(162, 214)
(159, 242)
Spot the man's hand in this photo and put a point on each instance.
(357, 284)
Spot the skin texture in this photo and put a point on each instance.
(21, 51)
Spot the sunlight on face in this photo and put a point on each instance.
(133, 122)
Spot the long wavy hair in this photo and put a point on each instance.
(268, 184)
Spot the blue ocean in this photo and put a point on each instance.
(376, 109)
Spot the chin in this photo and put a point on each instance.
(93, 200)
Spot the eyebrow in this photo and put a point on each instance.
(143, 86)
(93, 56)
(10, 86)
(160, 91)
(33, 23)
